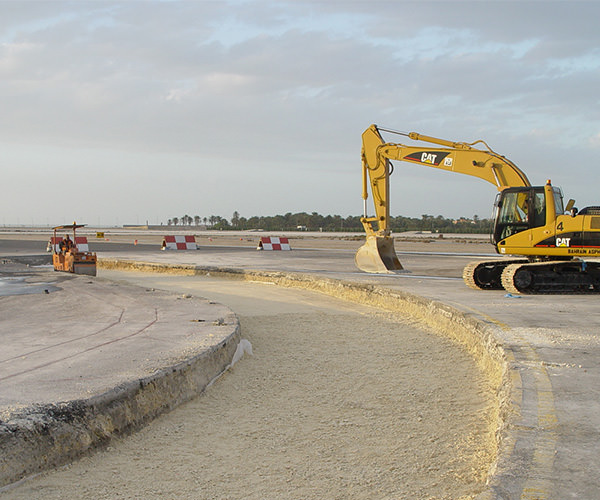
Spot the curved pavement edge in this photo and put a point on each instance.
(39, 437)
(481, 337)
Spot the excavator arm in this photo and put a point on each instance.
(378, 255)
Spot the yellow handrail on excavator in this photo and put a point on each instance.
(377, 255)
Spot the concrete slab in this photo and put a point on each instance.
(84, 358)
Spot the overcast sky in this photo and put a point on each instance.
(127, 112)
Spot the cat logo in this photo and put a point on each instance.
(563, 242)
(427, 157)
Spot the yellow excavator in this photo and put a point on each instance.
(552, 243)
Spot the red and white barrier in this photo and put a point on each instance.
(180, 242)
(81, 243)
(273, 243)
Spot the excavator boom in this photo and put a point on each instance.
(378, 254)
(458, 157)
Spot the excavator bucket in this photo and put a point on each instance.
(377, 255)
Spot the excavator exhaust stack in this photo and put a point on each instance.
(377, 255)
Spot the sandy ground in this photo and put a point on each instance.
(338, 401)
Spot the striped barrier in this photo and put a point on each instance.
(273, 243)
(179, 242)
(81, 243)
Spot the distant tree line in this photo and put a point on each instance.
(333, 223)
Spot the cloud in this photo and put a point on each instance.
(595, 140)
(277, 94)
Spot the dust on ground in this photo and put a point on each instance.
(338, 401)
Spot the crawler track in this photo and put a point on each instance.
(554, 277)
(520, 276)
(487, 275)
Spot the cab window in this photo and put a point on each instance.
(514, 208)
(558, 201)
(538, 215)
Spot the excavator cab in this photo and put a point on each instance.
(521, 208)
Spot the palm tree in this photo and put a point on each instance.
(235, 219)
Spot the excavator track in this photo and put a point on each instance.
(553, 277)
(487, 275)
